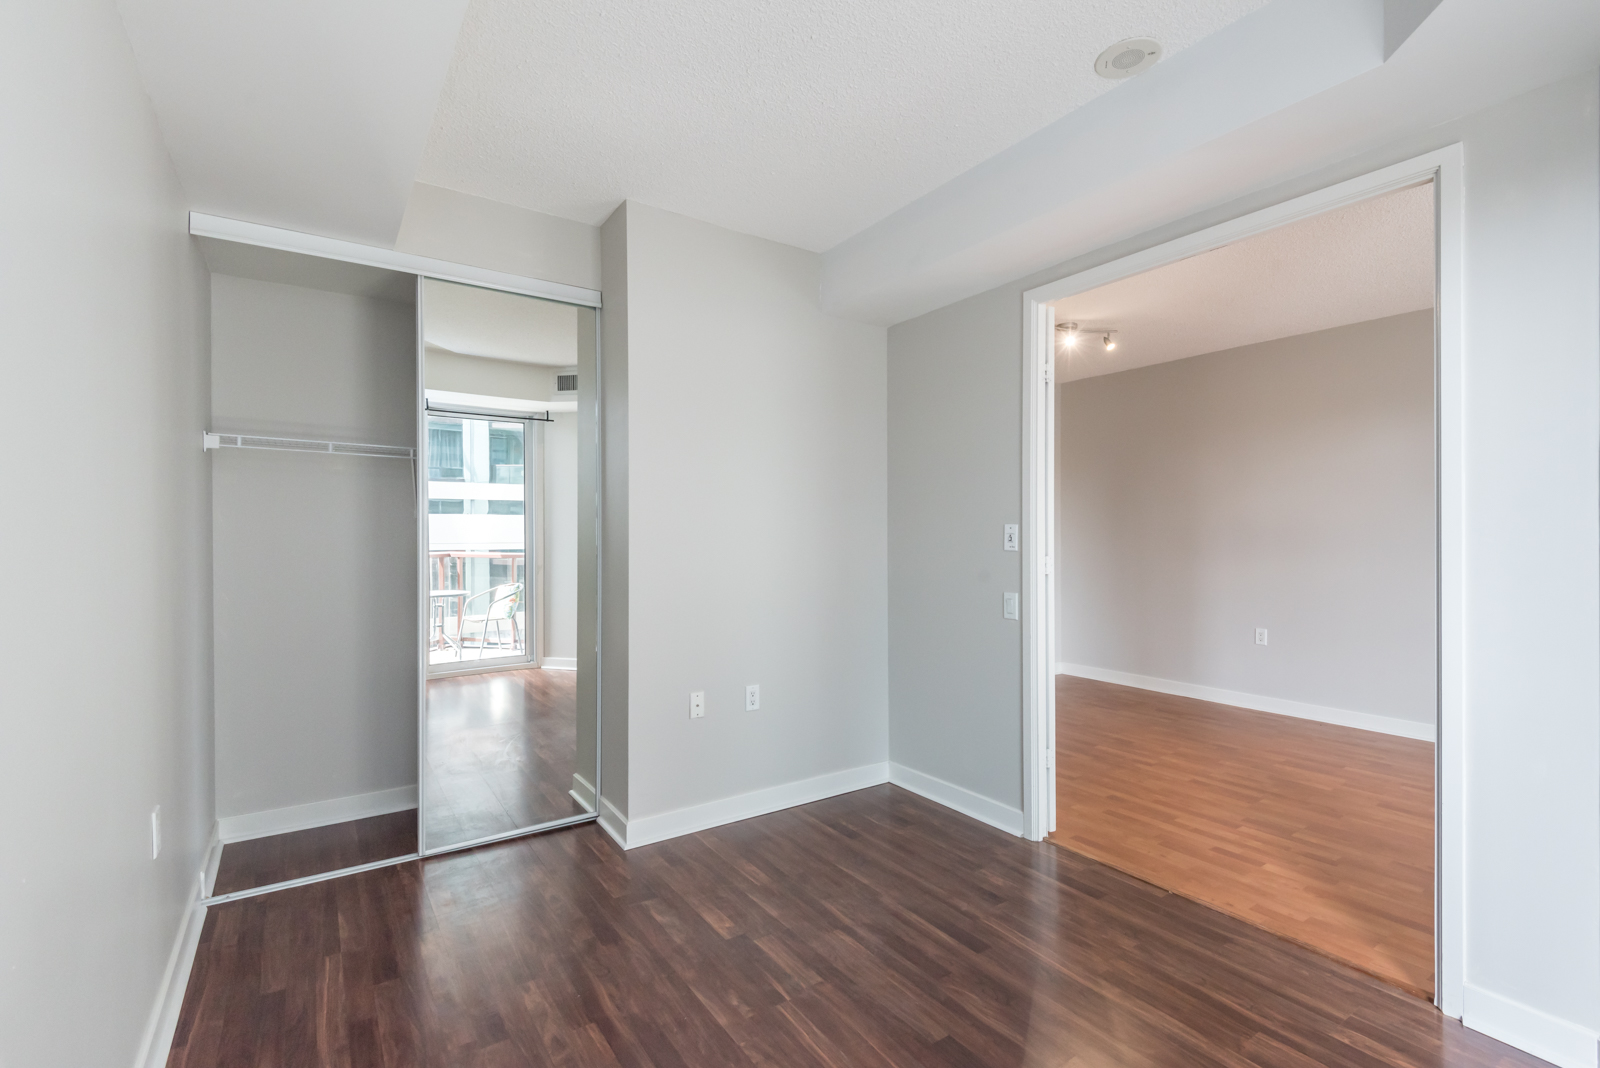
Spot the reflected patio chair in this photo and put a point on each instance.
(503, 602)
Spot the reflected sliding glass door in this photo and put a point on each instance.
(478, 523)
(509, 601)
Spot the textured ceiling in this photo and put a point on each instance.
(297, 113)
(803, 123)
(1366, 261)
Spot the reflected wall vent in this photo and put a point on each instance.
(566, 383)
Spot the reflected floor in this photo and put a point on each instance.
(281, 857)
(502, 748)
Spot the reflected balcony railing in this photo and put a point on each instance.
(476, 606)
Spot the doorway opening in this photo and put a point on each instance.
(1242, 639)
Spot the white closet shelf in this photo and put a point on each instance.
(216, 440)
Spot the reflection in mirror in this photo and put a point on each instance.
(508, 430)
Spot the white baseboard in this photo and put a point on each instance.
(1558, 1041)
(156, 1044)
(316, 814)
(582, 791)
(613, 822)
(632, 833)
(983, 809)
(559, 663)
(208, 874)
(1366, 721)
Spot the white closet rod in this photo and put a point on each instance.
(213, 440)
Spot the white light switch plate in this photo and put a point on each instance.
(752, 697)
(1261, 635)
(697, 704)
(1011, 606)
(1011, 537)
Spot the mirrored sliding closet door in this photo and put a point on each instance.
(508, 428)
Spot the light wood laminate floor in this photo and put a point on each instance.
(1321, 834)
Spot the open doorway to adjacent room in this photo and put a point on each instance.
(1246, 590)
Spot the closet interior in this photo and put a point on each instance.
(404, 519)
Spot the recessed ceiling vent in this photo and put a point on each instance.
(1127, 58)
(567, 383)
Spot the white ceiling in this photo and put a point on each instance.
(802, 123)
(306, 114)
(501, 326)
(1367, 261)
(1234, 123)
(932, 150)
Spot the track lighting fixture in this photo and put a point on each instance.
(1068, 333)
(1109, 344)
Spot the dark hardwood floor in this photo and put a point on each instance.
(279, 857)
(867, 930)
(501, 750)
(1320, 833)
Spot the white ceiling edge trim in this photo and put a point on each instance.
(1424, 168)
(329, 248)
(923, 255)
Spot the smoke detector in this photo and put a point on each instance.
(1127, 58)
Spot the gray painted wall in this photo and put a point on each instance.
(1286, 485)
(955, 480)
(755, 501)
(613, 554)
(107, 708)
(1532, 256)
(462, 228)
(315, 607)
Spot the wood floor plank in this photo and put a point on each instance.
(872, 930)
(1319, 833)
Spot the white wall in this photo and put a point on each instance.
(755, 479)
(107, 510)
(1286, 485)
(560, 632)
(315, 637)
(494, 378)
(1532, 273)
(462, 228)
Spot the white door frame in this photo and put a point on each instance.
(1444, 168)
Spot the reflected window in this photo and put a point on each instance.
(446, 507)
(505, 507)
(446, 451)
(505, 454)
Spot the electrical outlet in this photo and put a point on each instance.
(697, 704)
(1011, 606)
(1261, 635)
(155, 832)
(1011, 538)
(752, 697)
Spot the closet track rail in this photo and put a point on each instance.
(215, 440)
